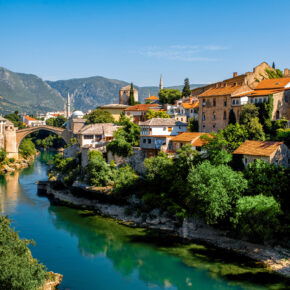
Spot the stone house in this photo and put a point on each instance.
(124, 95)
(114, 109)
(137, 113)
(8, 137)
(216, 100)
(156, 134)
(269, 151)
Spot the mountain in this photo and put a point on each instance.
(88, 93)
(29, 92)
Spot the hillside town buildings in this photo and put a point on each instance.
(115, 110)
(137, 113)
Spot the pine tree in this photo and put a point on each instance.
(131, 97)
(273, 65)
(186, 92)
(232, 117)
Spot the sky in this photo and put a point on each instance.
(137, 40)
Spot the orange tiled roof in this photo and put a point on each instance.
(220, 91)
(258, 148)
(190, 106)
(29, 118)
(273, 84)
(190, 137)
(152, 98)
(142, 107)
(265, 92)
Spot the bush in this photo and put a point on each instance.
(257, 217)
(99, 116)
(27, 148)
(123, 177)
(3, 154)
(214, 190)
(18, 270)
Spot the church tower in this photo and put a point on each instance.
(161, 83)
(68, 106)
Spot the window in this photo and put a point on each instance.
(203, 102)
(144, 140)
(277, 115)
(88, 137)
(265, 100)
(213, 116)
(214, 102)
(191, 111)
(203, 116)
(256, 101)
(225, 115)
(164, 128)
(98, 137)
(234, 102)
(203, 126)
(225, 102)
(149, 141)
(169, 129)
(213, 126)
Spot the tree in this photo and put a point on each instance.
(257, 217)
(273, 65)
(123, 177)
(232, 117)
(56, 122)
(249, 111)
(27, 148)
(193, 125)
(255, 130)
(283, 135)
(99, 116)
(18, 269)
(186, 92)
(274, 73)
(156, 114)
(214, 191)
(265, 114)
(3, 154)
(131, 96)
(169, 96)
(15, 119)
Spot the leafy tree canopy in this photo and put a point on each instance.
(193, 125)
(169, 96)
(27, 148)
(156, 114)
(56, 122)
(99, 116)
(15, 119)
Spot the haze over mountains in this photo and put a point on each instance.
(29, 93)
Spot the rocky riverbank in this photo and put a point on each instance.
(52, 281)
(276, 259)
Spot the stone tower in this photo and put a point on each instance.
(161, 83)
(124, 95)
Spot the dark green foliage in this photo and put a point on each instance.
(15, 118)
(131, 96)
(214, 191)
(45, 139)
(283, 135)
(249, 112)
(169, 96)
(265, 114)
(120, 146)
(99, 116)
(186, 92)
(3, 154)
(27, 148)
(257, 217)
(273, 65)
(56, 122)
(123, 178)
(232, 117)
(156, 114)
(273, 74)
(18, 269)
(193, 125)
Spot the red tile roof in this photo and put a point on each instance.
(220, 91)
(152, 98)
(191, 137)
(258, 148)
(29, 118)
(142, 107)
(190, 106)
(273, 83)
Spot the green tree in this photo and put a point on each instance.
(193, 125)
(99, 116)
(265, 114)
(249, 111)
(18, 269)
(273, 65)
(15, 119)
(232, 117)
(186, 92)
(169, 96)
(257, 217)
(283, 135)
(27, 148)
(123, 177)
(156, 114)
(131, 96)
(273, 74)
(214, 191)
(255, 130)
(3, 154)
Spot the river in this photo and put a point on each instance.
(93, 252)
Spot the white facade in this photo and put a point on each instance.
(164, 130)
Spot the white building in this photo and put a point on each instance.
(31, 122)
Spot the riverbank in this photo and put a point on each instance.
(274, 258)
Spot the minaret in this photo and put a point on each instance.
(161, 83)
(68, 106)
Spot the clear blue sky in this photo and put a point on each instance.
(137, 40)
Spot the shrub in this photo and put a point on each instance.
(27, 148)
(123, 177)
(257, 217)
(3, 154)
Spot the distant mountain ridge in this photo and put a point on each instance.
(29, 93)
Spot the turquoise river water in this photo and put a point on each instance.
(93, 252)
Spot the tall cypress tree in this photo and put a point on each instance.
(232, 117)
(131, 97)
(273, 65)
(186, 92)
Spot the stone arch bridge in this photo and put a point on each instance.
(15, 140)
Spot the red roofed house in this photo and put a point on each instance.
(138, 112)
(151, 99)
(31, 122)
(272, 152)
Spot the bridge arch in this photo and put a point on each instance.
(65, 134)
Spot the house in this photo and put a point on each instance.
(115, 110)
(96, 135)
(151, 99)
(138, 112)
(49, 115)
(192, 138)
(32, 122)
(269, 151)
(156, 133)
(217, 100)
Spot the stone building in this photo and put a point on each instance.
(216, 100)
(271, 152)
(124, 95)
(115, 110)
(8, 137)
(138, 112)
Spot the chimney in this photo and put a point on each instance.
(286, 72)
(235, 74)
